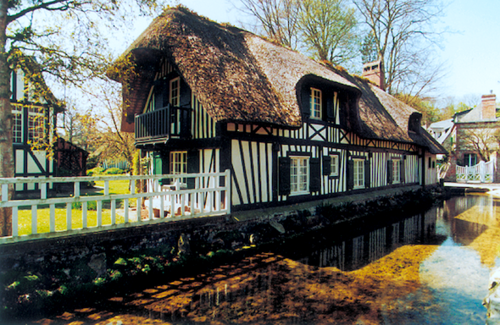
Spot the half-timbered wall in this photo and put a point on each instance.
(210, 161)
(335, 184)
(33, 122)
(203, 125)
(327, 134)
(378, 175)
(431, 169)
(411, 169)
(253, 162)
(30, 163)
(252, 176)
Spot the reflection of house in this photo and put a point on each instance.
(34, 110)
(472, 139)
(207, 97)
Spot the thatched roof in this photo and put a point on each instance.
(241, 77)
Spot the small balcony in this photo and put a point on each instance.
(163, 124)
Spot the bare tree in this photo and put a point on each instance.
(483, 142)
(113, 143)
(277, 18)
(403, 36)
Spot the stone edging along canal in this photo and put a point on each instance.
(44, 278)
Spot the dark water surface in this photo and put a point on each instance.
(429, 268)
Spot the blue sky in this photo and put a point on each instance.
(470, 52)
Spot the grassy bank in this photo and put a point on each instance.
(43, 214)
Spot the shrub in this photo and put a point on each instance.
(114, 171)
(91, 205)
(95, 171)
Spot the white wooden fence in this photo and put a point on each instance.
(169, 203)
(480, 173)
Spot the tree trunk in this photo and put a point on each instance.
(6, 150)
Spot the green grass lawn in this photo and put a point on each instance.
(115, 187)
(43, 219)
(43, 214)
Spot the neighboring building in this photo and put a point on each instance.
(37, 149)
(34, 110)
(207, 97)
(70, 160)
(470, 136)
(442, 131)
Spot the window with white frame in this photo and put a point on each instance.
(334, 165)
(396, 171)
(316, 103)
(36, 123)
(299, 175)
(359, 173)
(178, 162)
(175, 91)
(17, 124)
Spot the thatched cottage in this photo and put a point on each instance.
(206, 97)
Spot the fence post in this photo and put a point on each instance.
(481, 171)
(5, 192)
(34, 222)
(52, 222)
(15, 223)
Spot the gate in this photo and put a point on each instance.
(480, 173)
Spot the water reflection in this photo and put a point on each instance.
(362, 249)
(427, 268)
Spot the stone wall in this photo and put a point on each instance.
(98, 250)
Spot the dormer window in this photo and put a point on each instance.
(316, 103)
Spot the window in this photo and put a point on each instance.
(175, 92)
(17, 124)
(316, 103)
(334, 165)
(470, 159)
(178, 162)
(396, 171)
(36, 123)
(299, 175)
(359, 173)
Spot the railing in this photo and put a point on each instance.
(76, 213)
(480, 173)
(164, 122)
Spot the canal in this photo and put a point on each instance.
(428, 268)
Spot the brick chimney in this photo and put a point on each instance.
(489, 106)
(373, 72)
